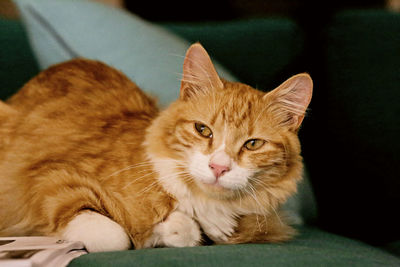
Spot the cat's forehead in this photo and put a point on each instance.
(237, 108)
(236, 104)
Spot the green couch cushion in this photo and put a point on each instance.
(353, 145)
(311, 248)
(393, 247)
(17, 63)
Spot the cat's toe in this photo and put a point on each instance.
(178, 230)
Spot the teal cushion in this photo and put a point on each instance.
(352, 148)
(148, 54)
(17, 64)
(312, 248)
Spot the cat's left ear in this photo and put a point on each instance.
(199, 74)
(289, 101)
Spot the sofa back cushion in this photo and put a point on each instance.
(352, 147)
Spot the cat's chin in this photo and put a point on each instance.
(216, 190)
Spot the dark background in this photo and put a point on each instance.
(206, 10)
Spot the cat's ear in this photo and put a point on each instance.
(199, 74)
(289, 101)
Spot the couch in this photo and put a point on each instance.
(349, 138)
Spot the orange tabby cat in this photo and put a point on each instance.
(85, 155)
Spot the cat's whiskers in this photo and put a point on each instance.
(160, 178)
(267, 188)
(130, 167)
(262, 209)
(251, 194)
(176, 162)
(277, 215)
(139, 178)
(240, 197)
(149, 163)
(264, 185)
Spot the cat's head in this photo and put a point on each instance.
(226, 140)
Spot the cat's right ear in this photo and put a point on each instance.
(199, 74)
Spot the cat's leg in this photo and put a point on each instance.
(98, 233)
(254, 228)
(178, 230)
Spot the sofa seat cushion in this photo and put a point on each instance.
(311, 248)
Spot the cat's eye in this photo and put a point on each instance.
(203, 130)
(254, 144)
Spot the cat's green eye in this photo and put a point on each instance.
(254, 144)
(203, 130)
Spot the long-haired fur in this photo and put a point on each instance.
(81, 136)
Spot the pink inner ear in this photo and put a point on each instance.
(303, 88)
(198, 71)
(292, 98)
(296, 92)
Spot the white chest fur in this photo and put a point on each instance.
(216, 219)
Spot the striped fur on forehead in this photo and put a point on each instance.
(236, 105)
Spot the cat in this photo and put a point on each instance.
(86, 155)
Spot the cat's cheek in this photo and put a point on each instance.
(199, 170)
(236, 179)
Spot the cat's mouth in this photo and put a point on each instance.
(216, 185)
(216, 189)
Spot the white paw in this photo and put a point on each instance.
(99, 233)
(178, 230)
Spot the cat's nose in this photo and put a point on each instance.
(219, 170)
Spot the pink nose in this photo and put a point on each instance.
(218, 170)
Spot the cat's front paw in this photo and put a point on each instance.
(97, 232)
(178, 230)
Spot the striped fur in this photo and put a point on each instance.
(80, 136)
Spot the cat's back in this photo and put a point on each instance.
(81, 87)
(78, 110)
(81, 110)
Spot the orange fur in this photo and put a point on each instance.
(80, 136)
(76, 125)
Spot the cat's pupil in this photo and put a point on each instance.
(203, 130)
(254, 144)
